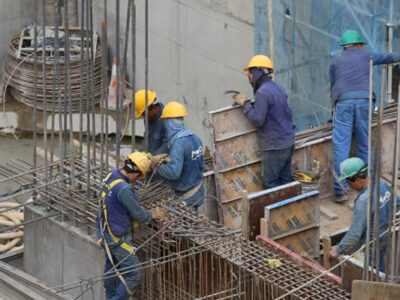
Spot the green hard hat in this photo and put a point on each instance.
(350, 167)
(351, 37)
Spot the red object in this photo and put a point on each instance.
(280, 249)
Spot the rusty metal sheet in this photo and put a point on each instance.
(237, 151)
(258, 200)
(229, 122)
(230, 184)
(295, 223)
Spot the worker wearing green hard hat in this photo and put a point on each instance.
(349, 75)
(355, 171)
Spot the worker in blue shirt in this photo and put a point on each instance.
(184, 172)
(118, 209)
(355, 171)
(272, 117)
(157, 133)
(349, 75)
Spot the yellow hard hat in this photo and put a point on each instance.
(260, 61)
(141, 161)
(173, 110)
(140, 101)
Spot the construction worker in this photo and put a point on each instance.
(272, 116)
(184, 173)
(349, 75)
(355, 171)
(119, 208)
(157, 134)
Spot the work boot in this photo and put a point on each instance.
(340, 198)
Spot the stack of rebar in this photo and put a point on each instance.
(18, 71)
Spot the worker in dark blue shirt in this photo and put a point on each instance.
(157, 133)
(349, 75)
(184, 172)
(272, 117)
(119, 208)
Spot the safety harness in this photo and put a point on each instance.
(105, 189)
(119, 242)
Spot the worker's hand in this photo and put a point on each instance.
(333, 254)
(158, 160)
(158, 213)
(240, 99)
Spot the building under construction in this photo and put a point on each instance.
(70, 70)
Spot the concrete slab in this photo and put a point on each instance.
(367, 290)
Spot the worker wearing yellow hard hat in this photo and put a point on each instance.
(118, 209)
(184, 172)
(157, 135)
(349, 72)
(272, 116)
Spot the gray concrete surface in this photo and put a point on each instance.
(58, 254)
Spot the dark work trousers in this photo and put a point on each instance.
(276, 167)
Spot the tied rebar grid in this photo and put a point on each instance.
(192, 257)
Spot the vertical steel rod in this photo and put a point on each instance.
(146, 78)
(44, 72)
(92, 61)
(118, 125)
(133, 79)
(124, 56)
(370, 111)
(87, 101)
(103, 99)
(82, 86)
(35, 80)
(106, 86)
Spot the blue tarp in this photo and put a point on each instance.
(306, 37)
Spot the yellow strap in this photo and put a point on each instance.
(124, 245)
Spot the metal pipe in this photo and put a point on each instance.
(133, 79)
(67, 91)
(35, 80)
(87, 101)
(118, 125)
(146, 78)
(393, 200)
(370, 111)
(83, 49)
(44, 90)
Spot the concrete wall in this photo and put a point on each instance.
(197, 50)
(58, 254)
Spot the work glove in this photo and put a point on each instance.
(158, 213)
(240, 99)
(158, 160)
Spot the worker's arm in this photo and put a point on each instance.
(357, 228)
(173, 169)
(257, 112)
(385, 58)
(128, 199)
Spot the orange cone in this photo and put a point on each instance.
(113, 86)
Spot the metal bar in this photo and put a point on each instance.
(87, 102)
(35, 95)
(146, 76)
(366, 257)
(81, 78)
(133, 79)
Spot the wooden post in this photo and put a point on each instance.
(326, 246)
(245, 215)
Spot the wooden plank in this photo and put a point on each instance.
(263, 226)
(304, 243)
(258, 200)
(328, 213)
(326, 246)
(367, 290)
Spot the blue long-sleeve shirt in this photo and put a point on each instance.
(349, 72)
(272, 116)
(185, 170)
(358, 228)
(157, 134)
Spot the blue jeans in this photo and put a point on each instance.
(276, 167)
(350, 114)
(115, 289)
